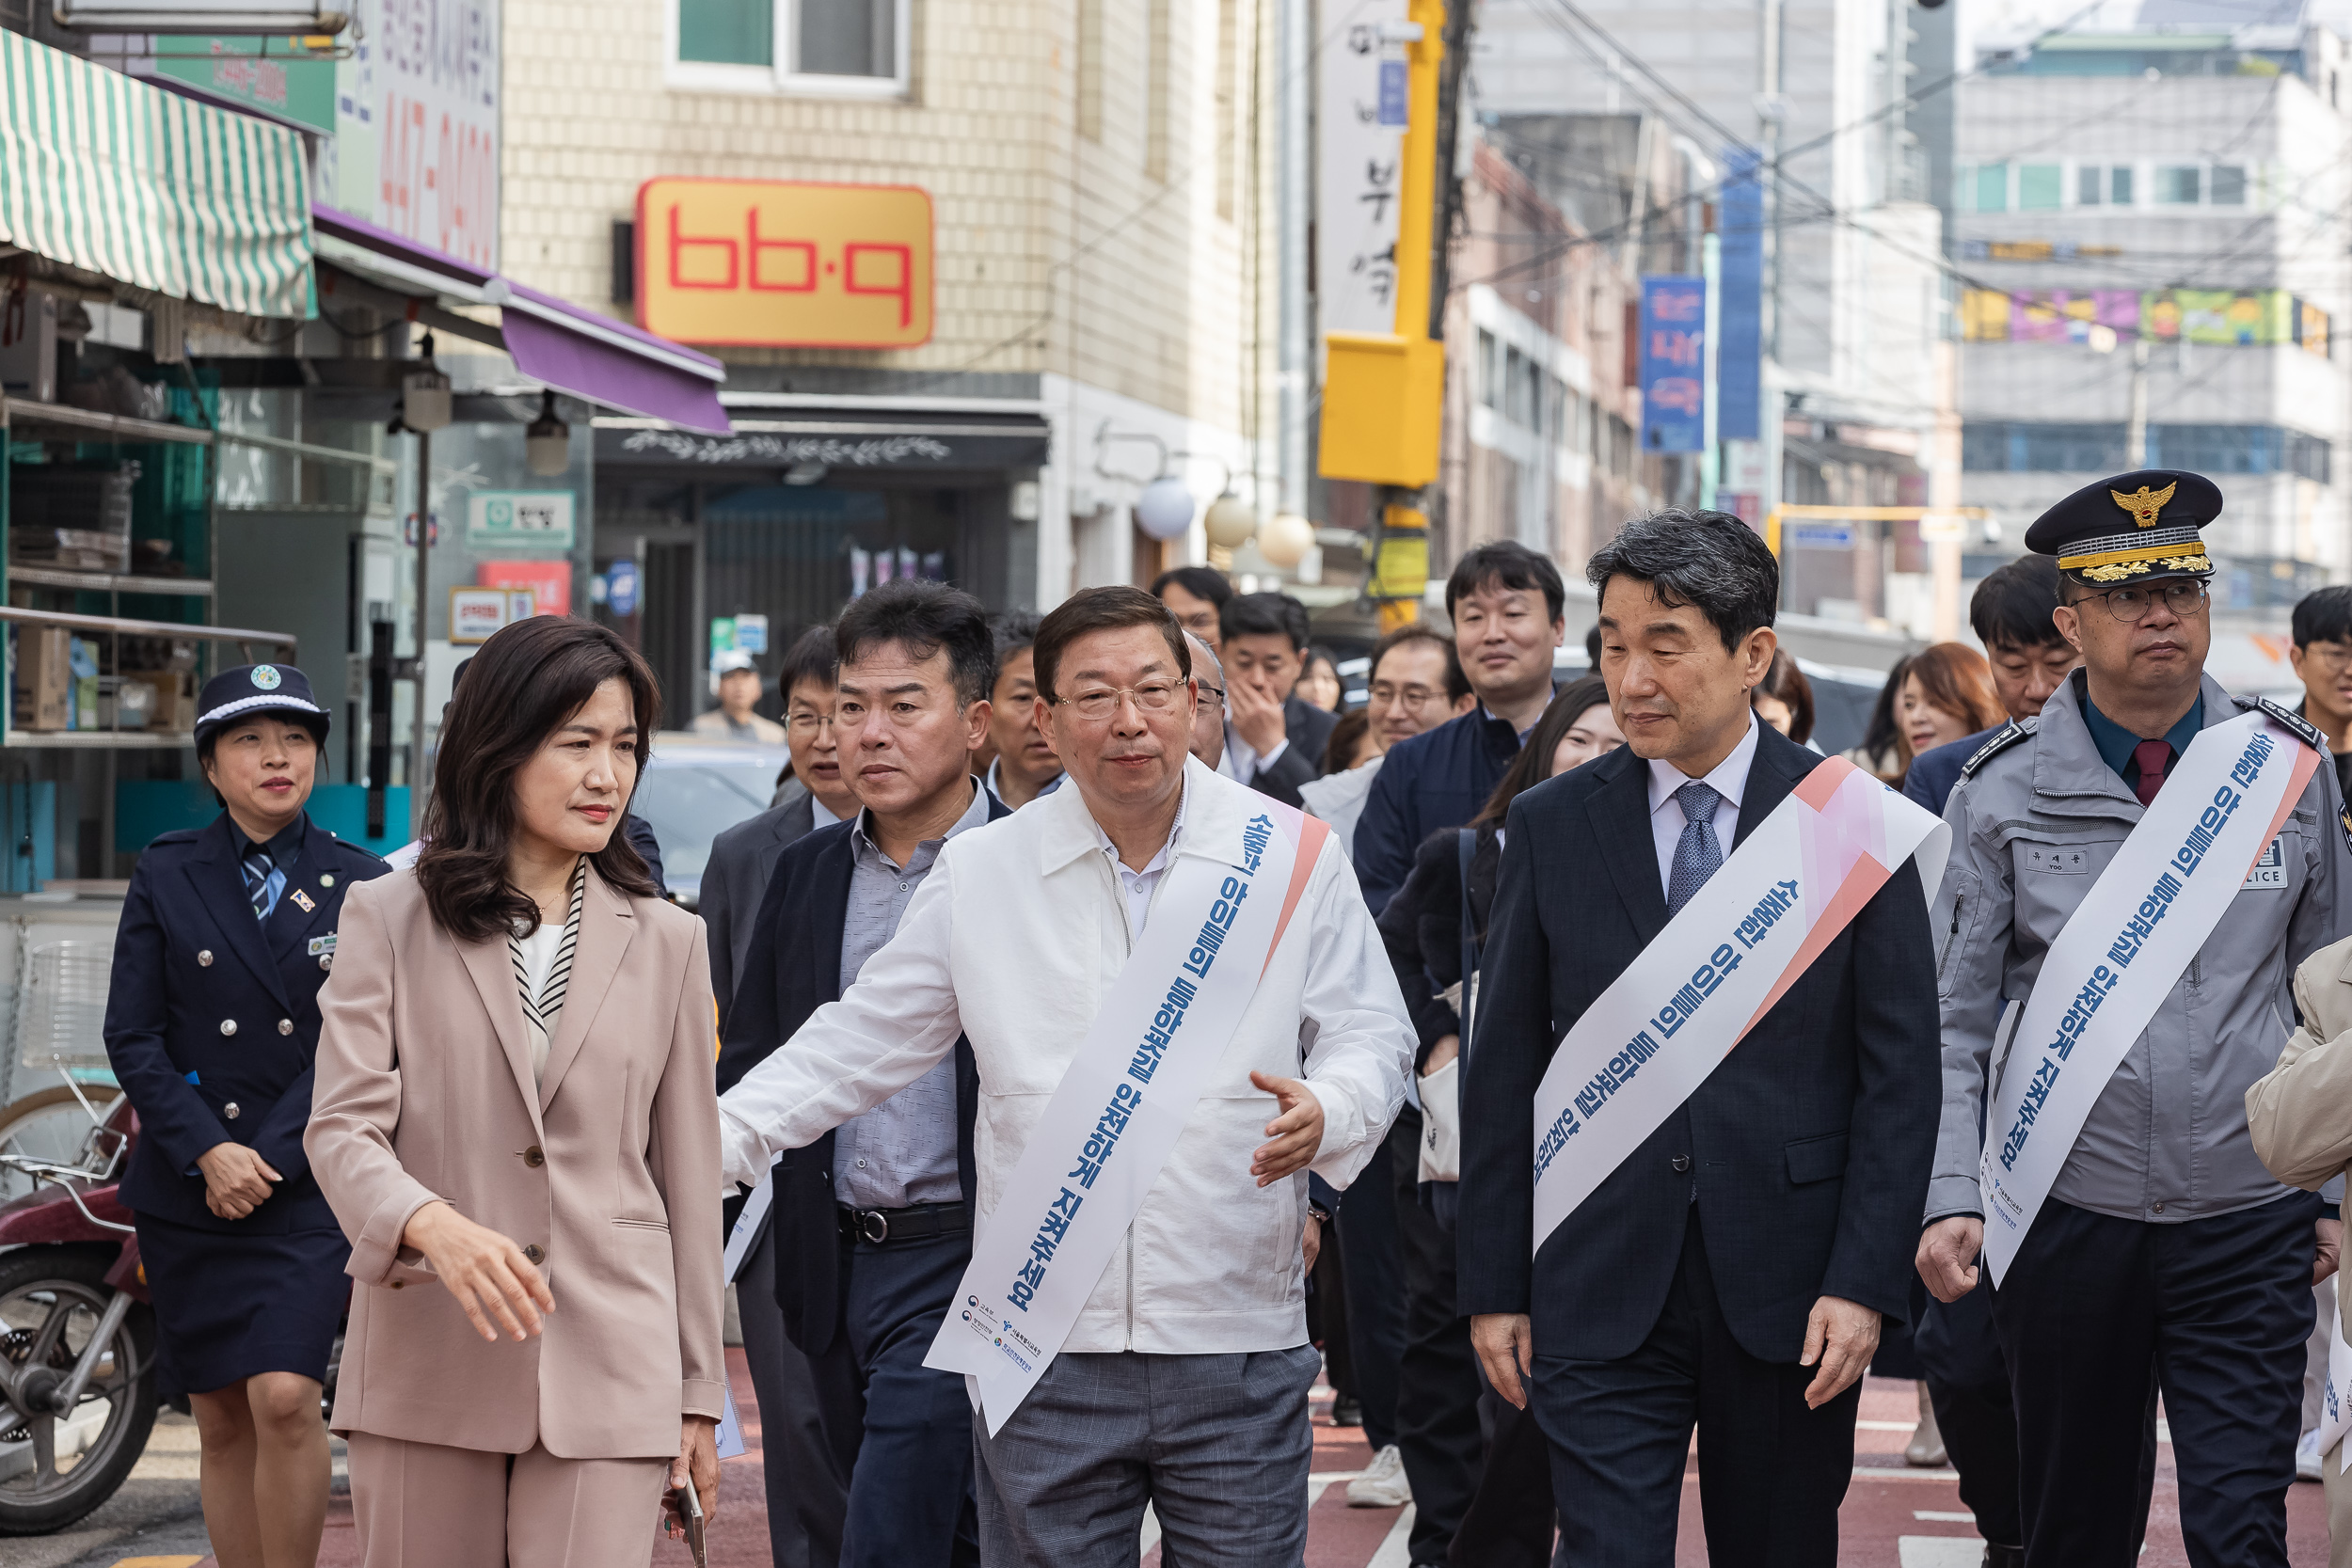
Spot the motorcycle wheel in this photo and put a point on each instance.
(54, 1470)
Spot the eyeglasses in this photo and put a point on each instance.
(809, 723)
(2331, 657)
(1208, 691)
(1100, 703)
(2183, 597)
(1411, 696)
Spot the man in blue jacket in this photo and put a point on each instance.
(1507, 604)
(2010, 615)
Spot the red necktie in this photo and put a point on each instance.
(2154, 758)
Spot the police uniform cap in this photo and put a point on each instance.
(2143, 524)
(253, 688)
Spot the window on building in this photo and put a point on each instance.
(2178, 185)
(855, 46)
(1559, 408)
(1536, 405)
(2119, 185)
(1489, 374)
(1992, 188)
(2228, 185)
(2038, 187)
(1620, 447)
(1515, 406)
(2090, 181)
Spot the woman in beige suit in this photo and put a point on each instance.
(2301, 1118)
(516, 1125)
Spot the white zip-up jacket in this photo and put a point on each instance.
(1012, 941)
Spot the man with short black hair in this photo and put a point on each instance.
(1196, 595)
(807, 1489)
(2322, 656)
(872, 1221)
(1508, 608)
(1273, 738)
(1025, 767)
(2012, 616)
(1731, 1269)
(1414, 684)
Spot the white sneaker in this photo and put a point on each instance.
(2307, 1457)
(1383, 1484)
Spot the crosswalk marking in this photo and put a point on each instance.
(1396, 1549)
(1940, 1516)
(1941, 1551)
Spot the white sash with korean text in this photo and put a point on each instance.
(2141, 923)
(1100, 1145)
(1649, 1040)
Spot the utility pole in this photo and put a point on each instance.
(2136, 430)
(1293, 53)
(425, 601)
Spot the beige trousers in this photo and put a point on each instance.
(419, 1505)
(2339, 1507)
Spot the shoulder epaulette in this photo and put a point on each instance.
(2016, 730)
(2302, 728)
(361, 850)
(177, 835)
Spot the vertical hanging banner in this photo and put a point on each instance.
(416, 143)
(1672, 364)
(1359, 134)
(1740, 301)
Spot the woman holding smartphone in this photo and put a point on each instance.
(516, 1125)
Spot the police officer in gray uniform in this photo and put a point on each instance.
(2165, 1256)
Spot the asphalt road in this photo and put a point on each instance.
(1894, 1516)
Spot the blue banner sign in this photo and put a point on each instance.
(1674, 364)
(1740, 301)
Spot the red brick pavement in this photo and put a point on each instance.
(1881, 1507)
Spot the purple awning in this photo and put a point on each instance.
(573, 350)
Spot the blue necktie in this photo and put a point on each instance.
(1697, 854)
(263, 881)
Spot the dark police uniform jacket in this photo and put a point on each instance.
(212, 1017)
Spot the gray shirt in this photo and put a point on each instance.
(904, 1151)
(2033, 828)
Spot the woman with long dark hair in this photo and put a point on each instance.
(516, 1126)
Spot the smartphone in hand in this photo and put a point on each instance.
(682, 1514)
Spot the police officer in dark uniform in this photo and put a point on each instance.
(212, 1020)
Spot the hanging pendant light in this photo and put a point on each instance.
(424, 395)
(547, 440)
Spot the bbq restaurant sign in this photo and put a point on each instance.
(785, 264)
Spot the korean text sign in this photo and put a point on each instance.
(785, 264)
(1674, 364)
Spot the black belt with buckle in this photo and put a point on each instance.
(903, 1225)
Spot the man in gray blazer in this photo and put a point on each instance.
(807, 1494)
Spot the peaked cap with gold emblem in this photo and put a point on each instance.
(2136, 525)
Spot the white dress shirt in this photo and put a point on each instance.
(819, 816)
(1241, 764)
(1729, 780)
(1011, 942)
(1136, 887)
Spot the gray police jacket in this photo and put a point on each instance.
(2035, 820)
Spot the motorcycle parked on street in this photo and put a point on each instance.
(77, 1334)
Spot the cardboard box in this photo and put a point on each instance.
(173, 703)
(44, 678)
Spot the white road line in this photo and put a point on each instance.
(1886, 1426)
(1151, 1530)
(1396, 1549)
(1940, 1517)
(1941, 1551)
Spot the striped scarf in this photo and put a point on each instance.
(540, 1012)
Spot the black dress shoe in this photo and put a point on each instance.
(1347, 1412)
(2004, 1557)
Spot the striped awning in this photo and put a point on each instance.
(103, 172)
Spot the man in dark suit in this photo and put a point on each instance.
(807, 1489)
(1273, 737)
(1733, 1270)
(872, 1223)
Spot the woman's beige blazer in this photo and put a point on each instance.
(2301, 1112)
(607, 1174)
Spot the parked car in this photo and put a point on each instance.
(693, 790)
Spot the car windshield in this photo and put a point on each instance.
(692, 804)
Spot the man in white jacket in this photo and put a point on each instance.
(1146, 1341)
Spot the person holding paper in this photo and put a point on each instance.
(1738, 1121)
(1177, 1005)
(2298, 1116)
(2135, 874)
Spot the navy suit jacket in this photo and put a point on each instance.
(189, 957)
(793, 968)
(1437, 779)
(1934, 771)
(1307, 729)
(1806, 1153)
